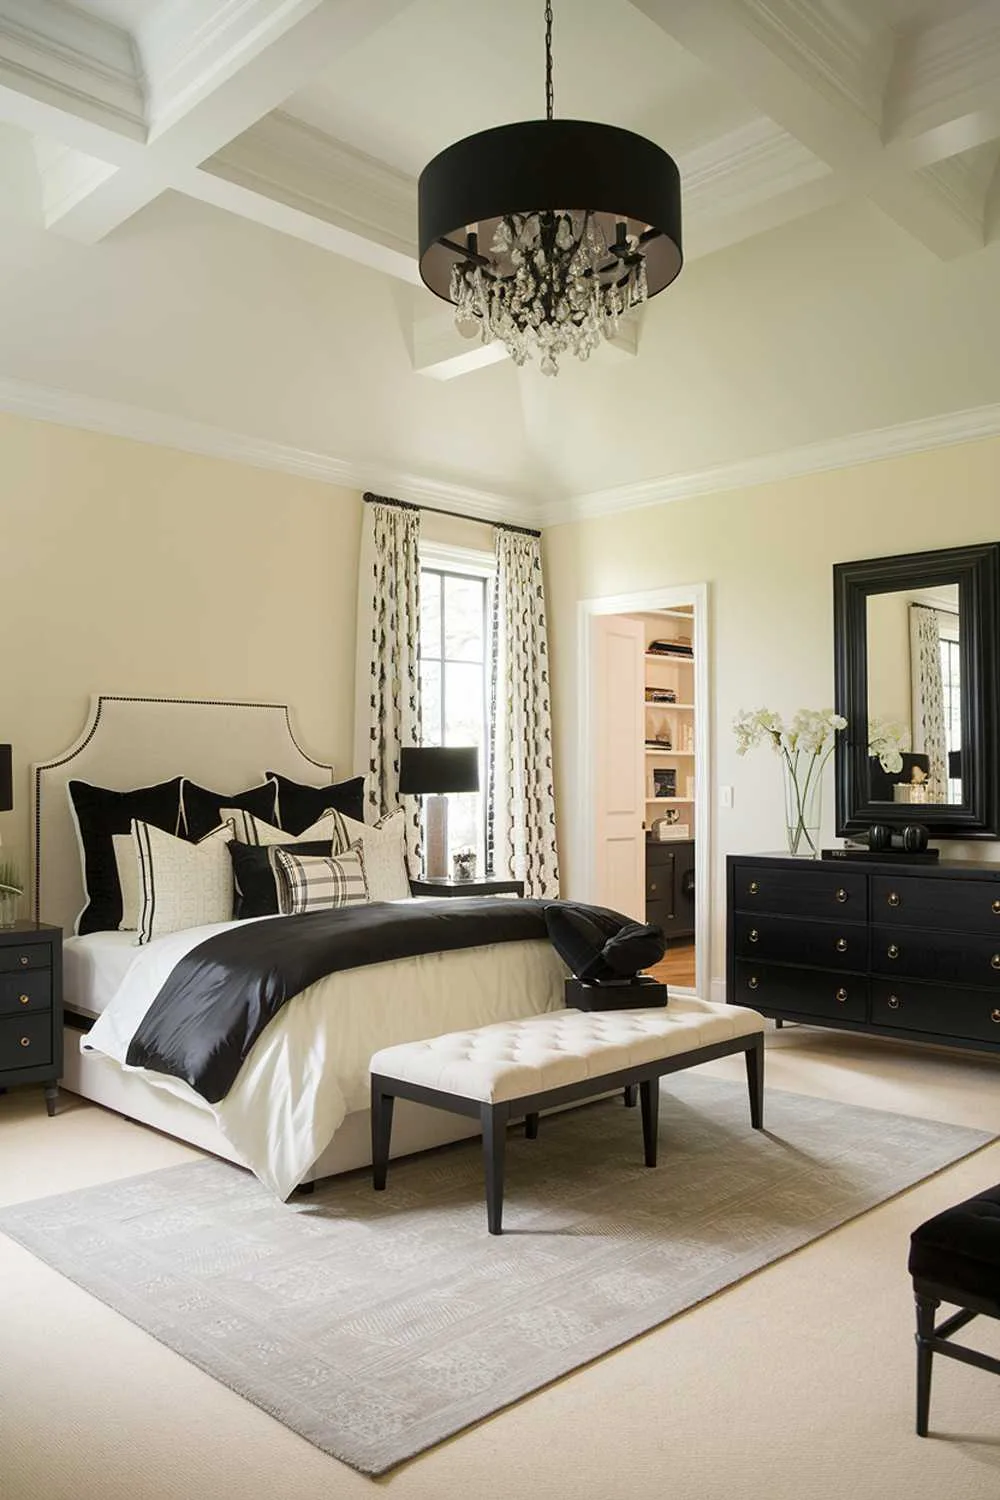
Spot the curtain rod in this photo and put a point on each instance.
(436, 510)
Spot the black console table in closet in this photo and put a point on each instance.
(898, 949)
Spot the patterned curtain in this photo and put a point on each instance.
(929, 732)
(389, 598)
(521, 814)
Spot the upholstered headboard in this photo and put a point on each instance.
(131, 742)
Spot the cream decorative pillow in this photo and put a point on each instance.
(384, 848)
(182, 884)
(128, 878)
(249, 829)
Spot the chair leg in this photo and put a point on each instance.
(531, 1127)
(755, 1081)
(382, 1104)
(630, 1095)
(494, 1122)
(649, 1095)
(926, 1308)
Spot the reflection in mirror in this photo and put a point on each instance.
(914, 696)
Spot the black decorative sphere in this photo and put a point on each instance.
(915, 837)
(880, 836)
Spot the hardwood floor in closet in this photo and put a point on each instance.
(677, 967)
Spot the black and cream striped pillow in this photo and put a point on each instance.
(318, 882)
(181, 884)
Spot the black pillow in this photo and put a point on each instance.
(253, 875)
(299, 806)
(100, 813)
(598, 944)
(201, 809)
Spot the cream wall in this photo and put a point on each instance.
(128, 568)
(766, 554)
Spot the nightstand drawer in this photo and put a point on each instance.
(20, 993)
(25, 1042)
(25, 956)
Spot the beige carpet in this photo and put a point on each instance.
(375, 1325)
(794, 1384)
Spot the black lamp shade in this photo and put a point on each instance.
(6, 779)
(428, 769)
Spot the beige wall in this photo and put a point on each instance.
(127, 568)
(766, 554)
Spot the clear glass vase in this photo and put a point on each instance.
(10, 905)
(803, 778)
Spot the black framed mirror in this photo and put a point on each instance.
(916, 662)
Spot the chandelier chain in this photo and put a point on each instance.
(549, 92)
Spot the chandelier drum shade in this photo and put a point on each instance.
(545, 233)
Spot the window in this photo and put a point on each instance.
(454, 675)
(951, 691)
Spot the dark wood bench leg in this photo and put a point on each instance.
(631, 1095)
(531, 1127)
(51, 1098)
(382, 1104)
(494, 1121)
(926, 1308)
(755, 1082)
(649, 1095)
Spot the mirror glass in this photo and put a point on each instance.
(914, 696)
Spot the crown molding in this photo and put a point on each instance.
(66, 57)
(811, 458)
(117, 419)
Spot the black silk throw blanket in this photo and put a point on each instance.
(218, 999)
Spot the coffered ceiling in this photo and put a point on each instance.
(133, 131)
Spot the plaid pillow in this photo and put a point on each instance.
(316, 882)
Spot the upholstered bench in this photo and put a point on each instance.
(955, 1258)
(517, 1068)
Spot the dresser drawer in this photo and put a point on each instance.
(922, 901)
(972, 1014)
(795, 940)
(799, 889)
(25, 956)
(660, 880)
(25, 1041)
(29, 991)
(938, 957)
(803, 992)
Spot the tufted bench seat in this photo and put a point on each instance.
(955, 1258)
(521, 1067)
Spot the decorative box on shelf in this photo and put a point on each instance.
(641, 993)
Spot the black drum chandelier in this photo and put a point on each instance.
(545, 233)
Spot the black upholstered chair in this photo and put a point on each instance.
(955, 1258)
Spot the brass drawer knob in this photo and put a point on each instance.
(753, 887)
(893, 1002)
(996, 908)
(841, 945)
(753, 982)
(995, 961)
(893, 898)
(893, 951)
(24, 999)
(995, 1016)
(841, 894)
(23, 960)
(753, 935)
(841, 995)
(25, 1041)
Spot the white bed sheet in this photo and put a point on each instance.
(309, 1068)
(93, 969)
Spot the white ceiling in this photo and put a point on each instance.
(209, 213)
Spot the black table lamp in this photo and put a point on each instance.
(432, 771)
(6, 779)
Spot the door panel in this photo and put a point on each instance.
(618, 687)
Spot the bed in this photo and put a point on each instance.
(302, 1091)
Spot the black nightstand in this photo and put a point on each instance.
(31, 1021)
(445, 886)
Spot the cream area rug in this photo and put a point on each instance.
(378, 1324)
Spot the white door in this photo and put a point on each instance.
(618, 689)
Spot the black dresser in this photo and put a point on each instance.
(905, 950)
(670, 886)
(31, 1022)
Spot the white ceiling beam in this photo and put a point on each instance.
(256, 55)
(437, 349)
(67, 60)
(824, 86)
(943, 92)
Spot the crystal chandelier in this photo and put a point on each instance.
(499, 240)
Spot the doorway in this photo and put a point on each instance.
(644, 766)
